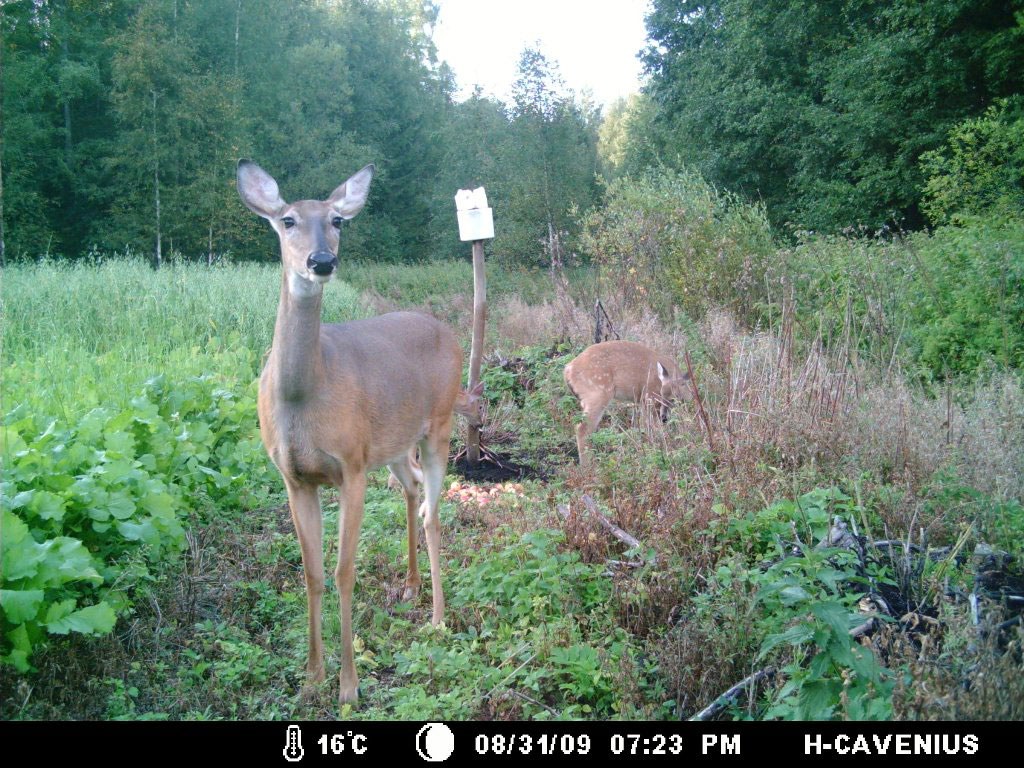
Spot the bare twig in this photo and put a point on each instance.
(524, 697)
(631, 541)
(509, 676)
(700, 403)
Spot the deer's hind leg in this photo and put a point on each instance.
(434, 458)
(593, 410)
(410, 476)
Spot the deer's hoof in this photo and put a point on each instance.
(349, 696)
(315, 675)
(310, 694)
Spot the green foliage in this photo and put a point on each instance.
(138, 102)
(998, 522)
(969, 307)
(101, 467)
(89, 506)
(535, 383)
(980, 169)
(808, 598)
(948, 302)
(123, 125)
(671, 235)
(842, 679)
(853, 291)
(821, 109)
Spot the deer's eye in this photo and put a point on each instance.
(288, 222)
(336, 222)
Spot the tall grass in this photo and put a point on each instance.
(77, 335)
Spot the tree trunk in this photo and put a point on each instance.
(238, 17)
(157, 256)
(3, 255)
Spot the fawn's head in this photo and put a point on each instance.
(675, 386)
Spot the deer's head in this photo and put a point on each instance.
(308, 229)
(675, 386)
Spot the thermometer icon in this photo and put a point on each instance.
(293, 750)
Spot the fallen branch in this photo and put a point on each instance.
(486, 454)
(726, 698)
(889, 543)
(630, 541)
(863, 629)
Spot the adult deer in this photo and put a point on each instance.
(622, 370)
(338, 400)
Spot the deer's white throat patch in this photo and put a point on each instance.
(303, 287)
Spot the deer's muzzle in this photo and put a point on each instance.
(322, 263)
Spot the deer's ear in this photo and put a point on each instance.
(258, 190)
(662, 373)
(350, 197)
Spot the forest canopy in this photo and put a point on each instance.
(122, 120)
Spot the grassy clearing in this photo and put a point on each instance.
(541, 622)
(81, 335)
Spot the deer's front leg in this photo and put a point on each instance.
(304, 501)
(350, 520)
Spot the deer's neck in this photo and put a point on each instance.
(296, 354)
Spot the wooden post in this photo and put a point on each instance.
(476, 224)
(477, 350)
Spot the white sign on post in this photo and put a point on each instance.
(476, 221)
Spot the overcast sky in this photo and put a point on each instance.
(594, 42)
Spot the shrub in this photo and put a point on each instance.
(669, 237)
(980, 170)
(969, 297)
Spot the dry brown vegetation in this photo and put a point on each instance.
(782, 415)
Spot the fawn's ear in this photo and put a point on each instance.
(662, 373)
(350, 197)
(258, 190)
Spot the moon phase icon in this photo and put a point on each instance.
(435, 742)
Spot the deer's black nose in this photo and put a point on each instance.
(322, 262)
